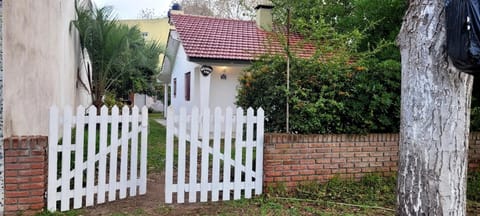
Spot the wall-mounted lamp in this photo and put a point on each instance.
(224, 75)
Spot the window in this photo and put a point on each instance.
(174, 87)
(187, 86)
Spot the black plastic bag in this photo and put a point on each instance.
(463, 32)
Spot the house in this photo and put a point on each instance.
(205, 56)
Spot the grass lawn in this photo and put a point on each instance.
(373, 195)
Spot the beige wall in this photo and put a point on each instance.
(41, 58)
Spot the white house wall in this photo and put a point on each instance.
(223, 91)
(41, 59)
(182, 66)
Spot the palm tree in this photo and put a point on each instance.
(115, 51)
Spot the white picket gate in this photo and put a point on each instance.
(199, 169)
(92, 169)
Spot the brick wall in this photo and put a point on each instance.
(25, 174)
(292, 159)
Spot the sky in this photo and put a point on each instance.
(130, 9)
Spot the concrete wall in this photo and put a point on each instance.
(2, 161)
(41, 60)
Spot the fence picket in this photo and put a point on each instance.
(66, 157)
(102, 167)
(192, 195)
(205, 155)
(124, 152)
(79, 143)
(216, 154)
(238, 154)
(143, 153)
(181, 156)
(52, 156)
(259, 151)
(169, 155)
(227, 154)
(112, 183)
(92, 113)
(249, 152)
(134, 153)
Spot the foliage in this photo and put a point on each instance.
(473, 186)
(350, 85)
(122, 61)
(334, 96)
(156, 144)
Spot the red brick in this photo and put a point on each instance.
(339, 170)
(323, 160)
(307, 172)
(32, 172)
(369, 149)
(299, 178)
(31, 200)
(361, 154)
(283, 146)
(28, 186)
(354, 170)
(311, 161)
(330, 166)
(332, 155)
(339, 160)
(292, 162)
(346, 165)
(376, 154)
(16, 153)
(17, 166)
(347, 154)
(381, 159)
(368, 159)
(323, 171)
(11, 187)
(16, 180)
(361, 164)
(12, 194)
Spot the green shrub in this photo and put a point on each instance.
(473, 186)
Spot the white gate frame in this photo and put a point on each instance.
(198, 135)
(68, 183)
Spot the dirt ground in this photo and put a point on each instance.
(152, 203)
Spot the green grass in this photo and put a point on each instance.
(156, 143)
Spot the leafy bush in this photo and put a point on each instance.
(335, 96)
(473, 186)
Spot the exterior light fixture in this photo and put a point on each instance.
(206, 70)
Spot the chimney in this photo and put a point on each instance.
(264, 14)
(176, 9)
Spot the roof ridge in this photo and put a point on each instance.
(211, 17)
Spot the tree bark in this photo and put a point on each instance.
(435, 117)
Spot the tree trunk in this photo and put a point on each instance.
(435, 117)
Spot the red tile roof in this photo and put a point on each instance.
(216, 38)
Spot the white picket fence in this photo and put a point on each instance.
(108, 162)
(213, 167)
